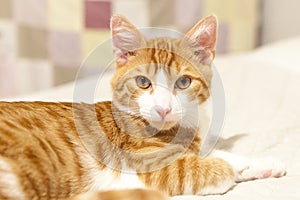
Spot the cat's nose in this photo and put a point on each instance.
(162, 111)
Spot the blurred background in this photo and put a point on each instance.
(43, 42)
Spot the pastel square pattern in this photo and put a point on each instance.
(97, 14)
(6, 9)
(223, 38)
(65, 48)
(32, 42)
(65, 15)
(242, 36)
(31, 12)
(241, 30)
(8, 39)
(185, 19)
(91, 39)
(43, 37)
(141, 9)
(64, 74)
(7, 75)
(223, 10)
(158, 8)
(33, 75)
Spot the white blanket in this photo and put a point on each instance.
(262, 97)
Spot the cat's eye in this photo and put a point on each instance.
(143, 82)
(183, 82)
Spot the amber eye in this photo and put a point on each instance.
(183, 82)
(143, 82)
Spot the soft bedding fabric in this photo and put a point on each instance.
(263, 112)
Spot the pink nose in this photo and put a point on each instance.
(162, 111)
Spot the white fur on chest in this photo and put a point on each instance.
(106, 179)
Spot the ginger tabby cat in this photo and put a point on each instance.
(144, 141)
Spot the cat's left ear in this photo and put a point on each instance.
(202, 38)
(126, 38)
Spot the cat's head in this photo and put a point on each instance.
(163, 80)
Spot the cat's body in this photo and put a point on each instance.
(38, 143)
(148, 137)
(46, 158)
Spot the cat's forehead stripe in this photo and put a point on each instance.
(163, 57)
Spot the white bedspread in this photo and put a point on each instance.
(263, 108)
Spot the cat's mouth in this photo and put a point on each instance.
(163, 125)
(161, 122)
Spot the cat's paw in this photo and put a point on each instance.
(250, 169)
(259, 169)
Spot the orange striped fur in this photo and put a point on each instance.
(61, 150)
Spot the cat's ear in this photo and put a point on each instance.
(202, 38)
(126, 38)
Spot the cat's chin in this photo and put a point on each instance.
(163, 125)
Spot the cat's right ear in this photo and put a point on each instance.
(202, 39)
(126, 38)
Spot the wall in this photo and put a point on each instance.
(280, 19)
(44, 42)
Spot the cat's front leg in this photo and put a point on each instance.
(191, 175)
(250, 169)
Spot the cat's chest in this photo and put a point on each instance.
(107, 179)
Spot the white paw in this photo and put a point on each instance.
(220, 188)
(259, 169)
(250, 169)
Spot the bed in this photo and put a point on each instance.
(262, 113)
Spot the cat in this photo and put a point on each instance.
(144, 144)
